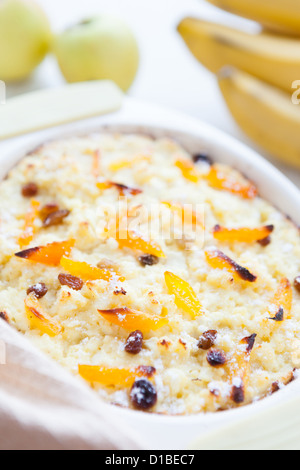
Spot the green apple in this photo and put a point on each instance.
(102, 48)
(25, 38)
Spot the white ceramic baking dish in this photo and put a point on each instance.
(163, 432)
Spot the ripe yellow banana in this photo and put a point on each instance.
(269, 57)
(278, 15)
(265, 113)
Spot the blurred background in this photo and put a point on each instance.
(168, 74)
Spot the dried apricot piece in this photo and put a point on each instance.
(243, 235)
(122, 188)
(131, 320)
(39, 319)
(218, 260)
(217, 179)
(84, 271)
(188, 170)
(125, 163)
(239, 369)
(29, 226)
(96, 159)
(116, 377)
(281, 305)
(138, 243)
(185, 296)
(50, 254)
(96, 163)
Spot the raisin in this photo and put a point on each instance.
(203, 157)
(143, 395)
(70, 281)
(250, 341)
(48, 209)
(56, 218)
(30, 190)
(265, 242)
(40, 290)
(279, 317)
(134, 343)
(207, 340)
(238, 394)
(297, 283)
(148, 260)
(216, 358)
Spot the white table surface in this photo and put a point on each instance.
(168, 73)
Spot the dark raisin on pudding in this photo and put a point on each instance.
(134, 343)
(216, 358)
(143, 395)
(71, 281)
(238, 394)
(148, 260)
(56, 218)
(265, 241)
(39, 290)
(203, 158)
(207, 340)
(297, 284)
(30, 190)
(279, 317)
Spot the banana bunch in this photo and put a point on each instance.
(256, 72)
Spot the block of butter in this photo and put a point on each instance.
(51, 107)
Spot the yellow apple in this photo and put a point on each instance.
(101, 48)
(25, 38)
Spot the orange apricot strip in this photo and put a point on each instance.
(136, 243)
(121, 164)
(29, 226)
(85, 271)
(185, 213)
(188, 170)
(122, 188)
(49, 255)
(96, 155)
(281, 305)
(132, 320)
(96, 163)
(243, 235)
(218, 180)
(218, 260)
(117, 377)
(185, 296)
(39, 319)
(239, 369)
(280, 309)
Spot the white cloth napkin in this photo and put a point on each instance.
(43, 407)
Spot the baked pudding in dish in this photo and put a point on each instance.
(160, 278)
